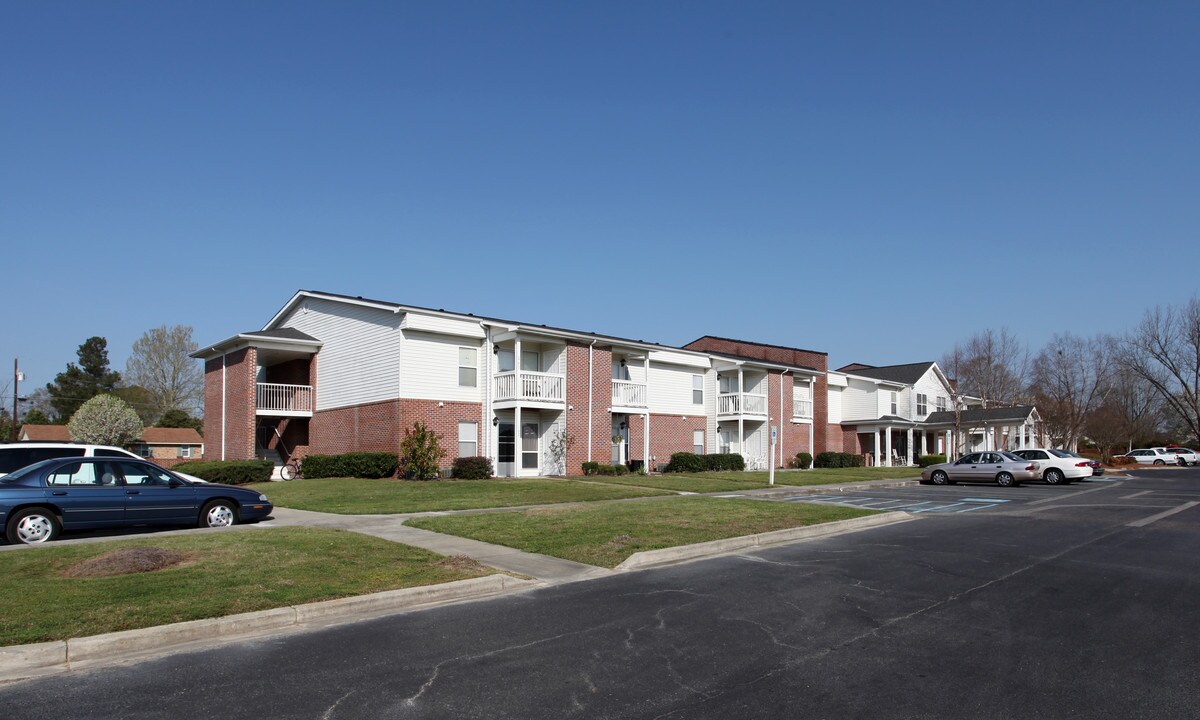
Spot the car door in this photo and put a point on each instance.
(991, 465)
(152, 498)
(964, 468)
(88, 492)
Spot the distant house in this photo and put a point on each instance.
(165, 446)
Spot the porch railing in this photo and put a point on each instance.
(278, 397)
(628, 394)
(533, 386)
(802, 408)
(741, 404)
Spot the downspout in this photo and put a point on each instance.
(812, 400)
(399, 379)
(224, 401)
(589, 425)
(782, 416)
(486, 420)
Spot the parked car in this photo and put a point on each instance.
(1002, 468)
(1096, 465)
(1058, 466)
(1186, 457)
(1152, 456)
(14, 456)
(41, 500)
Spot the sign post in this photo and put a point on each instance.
(774, 439)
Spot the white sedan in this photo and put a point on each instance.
(1152, 456)
(1058, 466)
(1186, 457)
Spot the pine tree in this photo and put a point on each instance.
(82, 382)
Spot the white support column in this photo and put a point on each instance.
(646, 425)
(924, 443)
(888, 444)
(1022, 435)
(646, 442)
(741, 408)
(909, 448)
(948, 449)
(878, 441)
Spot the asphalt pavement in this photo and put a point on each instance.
(1071, 602)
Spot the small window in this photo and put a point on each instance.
(697, 389)
(468, 439)
(698, 442)
(894, 403)
(468, 364)
(185, 451)
(922, 404)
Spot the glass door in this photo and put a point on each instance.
(530, 455)
(506, 451)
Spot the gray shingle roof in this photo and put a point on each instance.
(905, 374)
(974, 416)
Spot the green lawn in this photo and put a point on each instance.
(604, 535)
(808, 477)
(354, 496)
(227, 573)
(700, 483)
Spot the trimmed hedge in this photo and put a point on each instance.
(595, 468)
(927, 460)
(838, 460)
(229, 472)
(687, 462)
(802, 461)
(351, 464)
(471, 468)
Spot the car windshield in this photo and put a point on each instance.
(1062, 453)
(25, 472)
(1012, 458)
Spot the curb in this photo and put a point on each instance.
(683, 553)
(19, 662)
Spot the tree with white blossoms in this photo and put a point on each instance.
(105, 420)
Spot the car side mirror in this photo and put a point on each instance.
(175, 482)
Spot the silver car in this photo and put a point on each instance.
(1002, 468)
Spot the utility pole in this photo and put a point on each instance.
(17, 378)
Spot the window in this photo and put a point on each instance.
(142, 475)
(698, 442)
(468, 364)
(697, 389)
(84, 473)
(468, 442)
(922, 404)
(185, 451)
(894, 403)
(941, 404)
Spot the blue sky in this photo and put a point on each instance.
(877, 180)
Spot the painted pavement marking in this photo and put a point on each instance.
(1166, 513)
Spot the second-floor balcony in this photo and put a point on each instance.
(628, 394)
(802, 408)
(531, 387)
(735, 404)
(282, 400)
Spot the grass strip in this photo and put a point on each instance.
(226, 573)
(700, 483)
(604, 535)
(356, 496)
(820, 476)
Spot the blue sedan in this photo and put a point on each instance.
(40, 501)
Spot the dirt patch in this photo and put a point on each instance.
(126, 561)
(462, 563)
(621, 541)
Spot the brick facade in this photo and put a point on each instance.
(234, 374)
(668, 434)
(600, 428)
(784, 356)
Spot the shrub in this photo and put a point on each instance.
(471, 468)
(612, 470)
(105, 420)
(352, 464)
(685, 462)
(420, 452)
(724, 462)
(802, 461)
(229, 472)
(591, 468)
(1117, 461)
(927, 460)
(830, 459)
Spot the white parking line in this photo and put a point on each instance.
(1057, 498)
(1136, 494)
(1166, 513)
(939, 507)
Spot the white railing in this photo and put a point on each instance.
(628, 394)
(535, 386)
(741, 404)
(802, 408)
(277, 397)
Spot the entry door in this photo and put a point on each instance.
(506, 452)
(530, 447)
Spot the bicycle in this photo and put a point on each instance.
(291, 470)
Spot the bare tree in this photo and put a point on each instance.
(991, 366)
(1164, 351)
(160, 364)
(1070, 379)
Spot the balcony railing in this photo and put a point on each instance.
(531, 386)
(741, 404)
(284, 399)
(802, 408)
(628, 394)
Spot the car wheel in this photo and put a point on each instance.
(219, 513)
(1053, 476)
(1006, 479)
(939, 477)
(1159, 462)
(32, 526)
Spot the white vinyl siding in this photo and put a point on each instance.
(670, 390)
(835, 404)
(468, 439)
(431, 369)
(361, 351)
(859, 401)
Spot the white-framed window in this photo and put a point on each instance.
(468, 366)
(697, 389)
(185, 451)
(922, 404)
(895, 404)
(698, 442)
(468, 439)
(941, 404)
